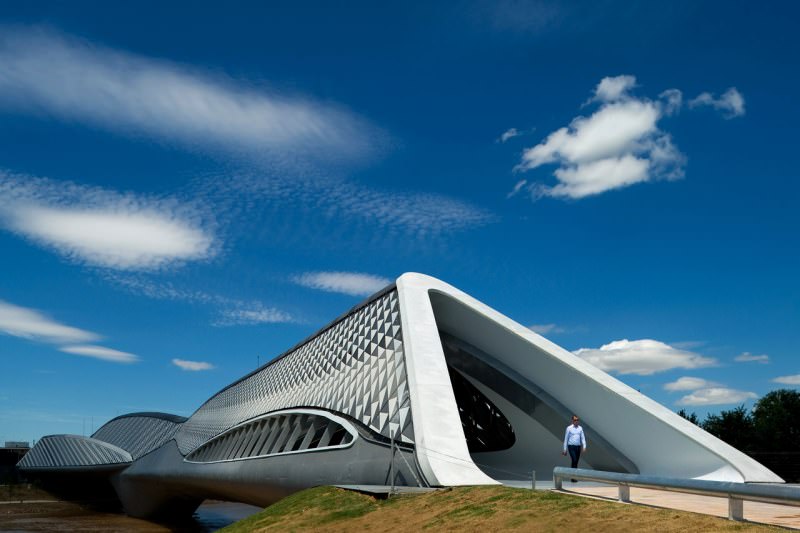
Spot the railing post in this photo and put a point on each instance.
(533, 480)
(624, 493)
(735, 509)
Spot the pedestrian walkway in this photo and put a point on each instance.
(764, 513)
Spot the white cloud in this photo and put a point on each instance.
(509, 134)
(31, 324)
(716, 396)
(788, 380)
(600, 176)
(192, 366)
(689, 383)
(99, 352)
(730, 104)
(231, 312)
(673, 100)
(643, 357)
(102, 228)
(619, 145)
(544, 329)
(70, 78)
(613, 88)
(352, 283)
(421, 214)
(252, 316)
(747, 357)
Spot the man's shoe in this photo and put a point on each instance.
(574, 480)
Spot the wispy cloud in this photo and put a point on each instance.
(509, 134)
(519, 16)
(192, 366)
(420, 214)
(747, 357)
(76, 80)
(102, 228)
(31, 324)
(788, 380)
(730, 104)
(689, 383)
(229, 311)
(716, 396)
(643, 357)
(253, 315)
(619, 145)
(99, 352)
(352, 283)
(544, 329)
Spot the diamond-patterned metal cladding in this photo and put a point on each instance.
(356, 367)
(139, 433)
(62, 451)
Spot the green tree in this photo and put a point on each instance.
(690, 417)
(735, 427)
(776, 420)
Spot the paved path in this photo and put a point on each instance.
(764, 513)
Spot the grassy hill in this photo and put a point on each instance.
(485, 509)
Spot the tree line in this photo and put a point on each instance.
(770, 432)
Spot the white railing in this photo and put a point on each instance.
(736, 493)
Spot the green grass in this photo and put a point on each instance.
(490, 508)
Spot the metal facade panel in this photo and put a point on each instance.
(63, 451)
(355, 367)
(139, 433)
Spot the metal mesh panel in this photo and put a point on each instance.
(59, 451)
(139, 433)
(292, 432)
(355, 367)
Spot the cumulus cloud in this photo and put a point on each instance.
(613, 88)
(192, 366)
(544, 329)
(643, 357)
(672, 101)
(747, 357)
(75, 80)
(730, 104)
(352, 283)
(716, 396)
(689, 383)
(99, 352)
(618, 145)
(31, 324)
(788, 380)
(102, 228)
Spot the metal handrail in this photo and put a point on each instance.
(735, 492)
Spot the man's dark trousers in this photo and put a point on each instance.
(574, 454)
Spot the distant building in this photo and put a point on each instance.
(419, 385)
(10, 455)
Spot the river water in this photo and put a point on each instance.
(66, 517)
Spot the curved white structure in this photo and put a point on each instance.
(537, 385)
(420, 384)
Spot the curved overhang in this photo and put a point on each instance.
(648, 436)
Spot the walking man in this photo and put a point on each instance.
(574, 442)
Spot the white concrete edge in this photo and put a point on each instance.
(440, 444)
(748, 468)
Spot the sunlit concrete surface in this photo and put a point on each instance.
(765, 513)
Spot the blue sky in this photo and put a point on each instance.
(187, 190)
